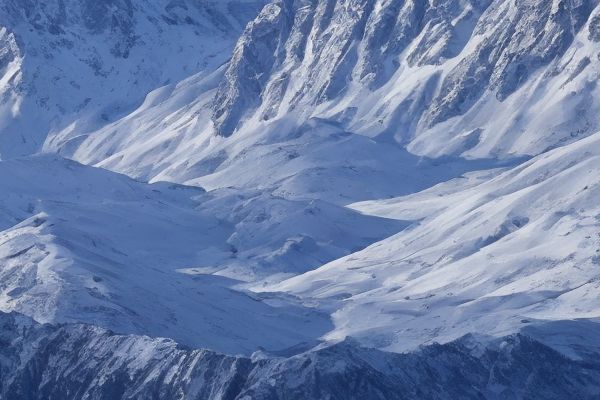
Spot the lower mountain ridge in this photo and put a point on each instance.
(80, 362)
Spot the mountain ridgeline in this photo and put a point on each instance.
(79, 362)
(299, 199)
(419, 69)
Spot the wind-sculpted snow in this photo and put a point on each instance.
(76, 65)
(81, 244)
(447, 77)
(492, 252)
(84, 362)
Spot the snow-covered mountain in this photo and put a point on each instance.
(76, 65)
(281, 175)
(476, 79)
(452, 77)
(469, 77)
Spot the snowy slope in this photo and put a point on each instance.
(492, 256)
(83, 244)
(454, 138)
(98, 247)
(173, 141)
(76, 65)
(477, 78)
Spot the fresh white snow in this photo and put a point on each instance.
(401, 172)
(492, 255)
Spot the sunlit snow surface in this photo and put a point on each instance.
(493, 256)
(376, 169)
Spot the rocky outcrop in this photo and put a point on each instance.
(518, 38)
(259, 52)
(84, 362)
(405, 67)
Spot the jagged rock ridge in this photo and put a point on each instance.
(83, 362)
(415, 69)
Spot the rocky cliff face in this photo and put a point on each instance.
(83, 362)
(476, 79)
(415, 69)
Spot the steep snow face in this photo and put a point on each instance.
(475, 78)
(77, 65)
(491, 254)
(83, 362)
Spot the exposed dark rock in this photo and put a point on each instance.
(83, 362)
